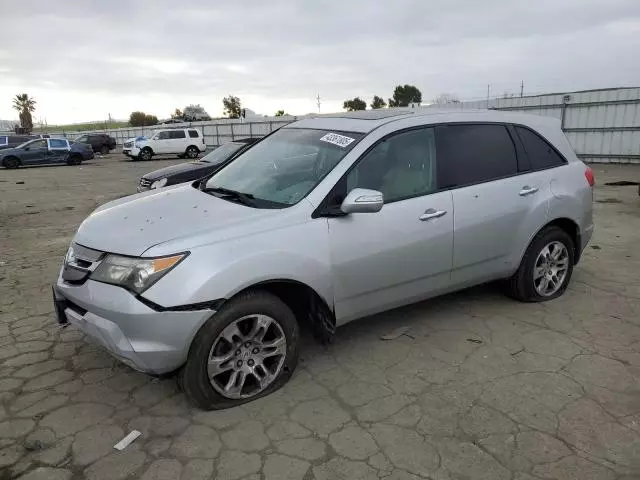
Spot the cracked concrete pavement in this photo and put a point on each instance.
(481, 387)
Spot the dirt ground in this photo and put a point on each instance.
(481, 387)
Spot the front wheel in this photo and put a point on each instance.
(11, 162)
(545, 269)
(192, 152)
(104, 150)
(248, 349)
(145, 154)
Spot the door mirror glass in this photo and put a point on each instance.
(362, 200)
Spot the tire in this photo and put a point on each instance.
(194, 376)
(11, 162)
(145, 154)
(74, 160)
(104, 150)
(522, 285)
(192, 152)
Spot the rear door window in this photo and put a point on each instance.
(474, 153)
(57, 144)
(193, 133)
(177, 134)
(540, 153)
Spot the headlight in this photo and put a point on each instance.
(159, 183)
(135, 274)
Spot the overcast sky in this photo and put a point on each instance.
(82, 60)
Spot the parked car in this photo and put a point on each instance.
(100, 142)
(12, 141)
(184, 142)
(322, 222)
(45, 150)
(190, 171)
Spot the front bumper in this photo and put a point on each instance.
(145, 339)
(131, 151)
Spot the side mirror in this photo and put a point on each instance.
(27, 148)
(362, 200)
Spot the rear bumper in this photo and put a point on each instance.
(151, 341)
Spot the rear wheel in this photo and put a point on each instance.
(74, 160)
(247, 350)
(545, 269)
(192, 152)
(145, 154)
(11, 162)
(104, 150)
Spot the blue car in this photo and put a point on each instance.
(46, 151)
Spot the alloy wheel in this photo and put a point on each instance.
(550, 269)
(247, 356)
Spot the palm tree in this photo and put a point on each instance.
(25, 105)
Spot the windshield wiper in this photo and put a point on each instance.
(246, 198)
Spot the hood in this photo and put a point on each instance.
(131, 225)
(10, 151)
(180, 168)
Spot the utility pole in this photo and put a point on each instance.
(318, 99)
(521, 88)
(488, 88)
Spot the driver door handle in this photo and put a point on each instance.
(430, 214)
(527, 190)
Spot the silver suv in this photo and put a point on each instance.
(322, 222)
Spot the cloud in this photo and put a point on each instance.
(82, 60)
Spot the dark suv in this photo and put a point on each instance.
(100, 142)
(12, 141)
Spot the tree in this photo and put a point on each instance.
(280, 113)
(26, 106)
(378, 102)
(150, 120)
(141, 119)
(194, 113)
(445, 98)
(354, 104)
(177, 114)
(404, 95)
(232, 106)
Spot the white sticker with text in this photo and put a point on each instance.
(339, 140)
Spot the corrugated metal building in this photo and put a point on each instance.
(602, 125)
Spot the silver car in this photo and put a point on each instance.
(322, 222)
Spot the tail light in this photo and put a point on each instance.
(591, 179)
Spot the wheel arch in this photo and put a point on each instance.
(567, 225)
(309, 307)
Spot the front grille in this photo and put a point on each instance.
(80, 264)
(145, 183)
(128, 144)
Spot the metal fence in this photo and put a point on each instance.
(603, 126)
(215, 132)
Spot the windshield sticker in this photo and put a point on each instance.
(339, 140)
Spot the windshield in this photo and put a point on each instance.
(25, 144)
(222, 153)
(284, 167)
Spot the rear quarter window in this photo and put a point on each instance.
(4, 140)
(193, 133)
(540, 153)
(474, 153)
